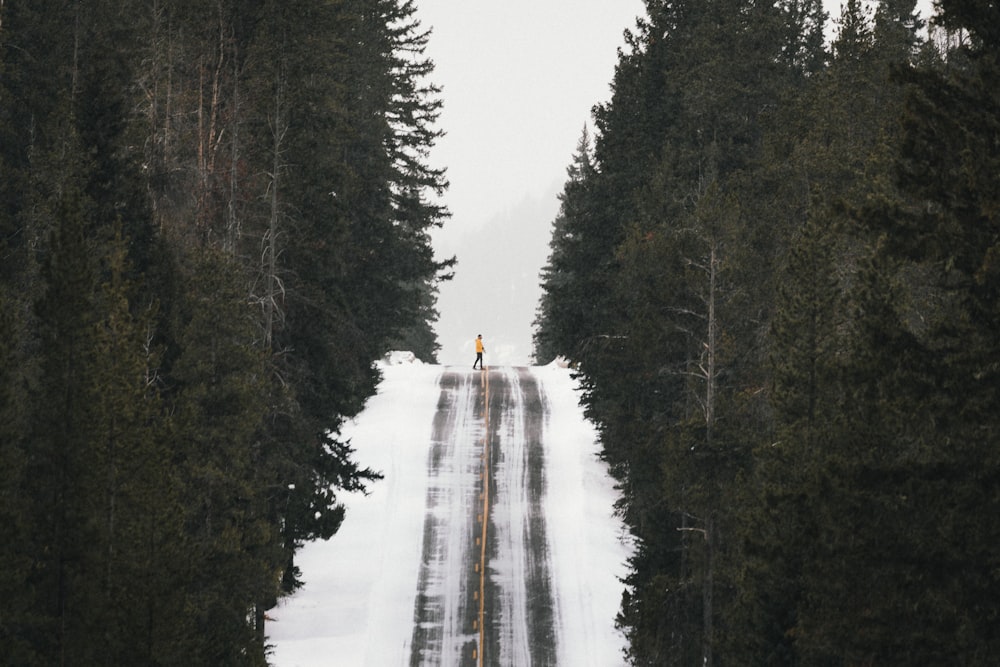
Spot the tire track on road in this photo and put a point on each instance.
(519, 596)
(447, 596)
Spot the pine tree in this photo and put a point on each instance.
(925, 376)
(64, 507)
(706, 327)
(218, 414)
(565, 298)
(15, 527)
(843, 133)
(172, 444)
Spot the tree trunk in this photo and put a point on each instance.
(710, 372)
(233, 227)
(708, 612)
(273, 283)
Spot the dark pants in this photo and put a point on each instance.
(479, 360)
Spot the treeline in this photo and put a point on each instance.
(214, 216)
(777, 269)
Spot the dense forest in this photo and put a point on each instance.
(776, 269)
(214, 216)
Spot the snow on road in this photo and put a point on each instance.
(395, 586)
(520, 597)
(512, 528)
(445, 608)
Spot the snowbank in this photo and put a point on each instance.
(399, 358)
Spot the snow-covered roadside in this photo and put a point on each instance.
(356, 607)
(589, 545)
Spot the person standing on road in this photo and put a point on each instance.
(479, 353)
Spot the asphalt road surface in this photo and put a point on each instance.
(486, 460)
(491, 539)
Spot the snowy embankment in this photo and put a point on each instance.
(590, 546)
(357, 606)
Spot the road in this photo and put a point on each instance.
(496, 596)
(490, 542)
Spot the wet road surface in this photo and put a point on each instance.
(486, 460)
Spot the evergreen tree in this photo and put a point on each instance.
(703, 335)
(565, 299)
(166, 165)
(420, 338)
(15, 527)
(218, 411)
(139, 498)
(924, 392)
(58, 476)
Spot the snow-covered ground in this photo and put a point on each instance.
(358, 606)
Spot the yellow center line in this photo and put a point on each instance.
(486, 514)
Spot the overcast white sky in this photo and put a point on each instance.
(520, 78)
